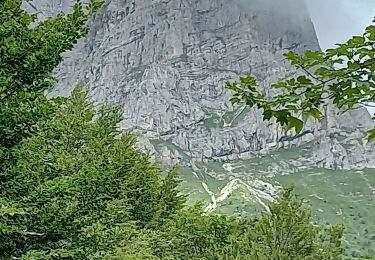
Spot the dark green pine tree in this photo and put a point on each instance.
(76, 174)
(76, 187)
(28, 55)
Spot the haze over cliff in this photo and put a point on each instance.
(165, 63)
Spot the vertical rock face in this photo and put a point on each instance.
(165, 62)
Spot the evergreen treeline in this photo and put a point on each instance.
(72, 186)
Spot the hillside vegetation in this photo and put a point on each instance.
(72, 186)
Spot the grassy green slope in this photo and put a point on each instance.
(346, 197)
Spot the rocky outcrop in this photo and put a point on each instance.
(165, 63)
(343, 143)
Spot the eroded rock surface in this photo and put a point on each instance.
(165, 63)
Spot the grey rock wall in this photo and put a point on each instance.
(165, 63)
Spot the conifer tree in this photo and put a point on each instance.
(29, 51)
(72, 186)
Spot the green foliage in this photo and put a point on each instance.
(28, 54)
(76, 187)
(79, 185)
(191, 235)
(286, 233)
(344, 75)
(79, 189)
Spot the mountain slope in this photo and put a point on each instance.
(165, 62)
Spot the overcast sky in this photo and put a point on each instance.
(337, 20)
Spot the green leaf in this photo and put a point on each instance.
(313, 112)
(295, 123)
(304, 80)
(315, 55)
(279, 85)
(370, 30)
(235, 100)
(267, 114)
(322, 71)
(281, 116)
(291, 56)
(356, 41)
(371, 136)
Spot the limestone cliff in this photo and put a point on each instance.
(165, 63)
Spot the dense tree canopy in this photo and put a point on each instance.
(28, 54)
(76, 174)
(344, 76)
(77, 188)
